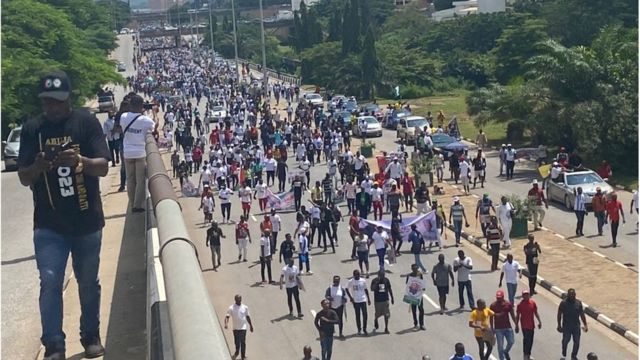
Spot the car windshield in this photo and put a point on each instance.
(218, 108)
(402, 113)
(104, 98)
(371, 108)
(585, 178)
(14, 136)
(314, 96)
(370, 120)
(416, 123)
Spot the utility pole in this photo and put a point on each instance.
(213, 53)
(264, 53)
(235, 36)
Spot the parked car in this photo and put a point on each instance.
(441, 140)
(121, 67)
(351, 104)
(564, 187)
(12, 149)
(314, 99)
(392, 117)
(373, 127)
(218, 113)
(345, 116)
(410, 127)
(106, 104)
(373, 110)
(336, 100)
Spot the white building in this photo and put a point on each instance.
(295, 4)
(461, 8)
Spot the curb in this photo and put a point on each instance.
(592, 312)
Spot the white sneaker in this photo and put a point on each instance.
(309, 272)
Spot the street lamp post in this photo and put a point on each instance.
(235, 36)
(213, 53)
(264, 55)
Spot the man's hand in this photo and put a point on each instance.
(251, 328)
(500, 284)
(559, 328)
(368, 302)
(453, 283)
(41, 164)
(225, 326)
(539, 325)
(585, 328)
(517, 329)
(67, 158)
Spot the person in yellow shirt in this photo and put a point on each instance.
(440, 119)
(481, 320)
(316, 193)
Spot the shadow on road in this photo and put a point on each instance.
(18, 260)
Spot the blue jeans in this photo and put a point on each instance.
(418, 262)
(501, 335)
(600, 216)
(457, 226)
(52, 251)
(326, 345)
(511, 292)
(461, 286)
(381, 253)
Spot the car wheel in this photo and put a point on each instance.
(567, 203)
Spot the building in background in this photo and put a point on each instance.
(462, 8)
(295, 4)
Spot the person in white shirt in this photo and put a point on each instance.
(512, 270)
(113, 139)
(376, 199)
(205, 176)
(463, 266)
(510, 159)
(380, 239)
(358, 165)
(245, 198)
(303, 254)
(261, 193)
(504, 215)
(337, 295)
(136, 126)
(332, 167)
(580, 209)
(291, 278)
(305, 165)
(395, 170)
(359, 295)
(225, 203)
(265, 255)
(367, 184)
(301, 151)
(239, 314)
(465, 175)
(276, 225)
(269, 165)
(350, 194)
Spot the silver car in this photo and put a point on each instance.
(564, 187)
(367, 126)
(12, 149)
(218, 113)
(314, 99)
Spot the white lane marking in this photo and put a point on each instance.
(560, 236)
(621, 264)
(544, 228)
(599, 254)
(579, 245)
(313, 313)
(431, 301)
(475, 196)
(254, 218)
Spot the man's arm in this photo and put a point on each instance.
(391, 293)
(453, 283)
(366, 292)
(559, 317)
(250, 323)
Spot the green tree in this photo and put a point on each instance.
(369, 65)
(443, 4)
(55, 41)
(516, 45)
(335, 26)
(350, 28)
(119, 12)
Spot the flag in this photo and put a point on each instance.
(280, 201)
(544, 170)
(396, 91)
(425, 224)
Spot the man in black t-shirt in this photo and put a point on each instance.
(325, 321)
(63, 152)
(214, 233)
(381, 289)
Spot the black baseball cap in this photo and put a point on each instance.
(55, 85)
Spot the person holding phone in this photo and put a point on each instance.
(63, 152)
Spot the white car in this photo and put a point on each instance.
(367, 126)
(12, 149)
(218, 113)
(314, 99)
(562, 189)
(411, 126)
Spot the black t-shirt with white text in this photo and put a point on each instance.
(65, 202)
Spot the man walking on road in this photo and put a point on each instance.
(63, 152)
(502, 310)
(243, 237)
(580, 209)
(570, 312)
(505, 214)
(463, 266)
(291, 277)
(511, 269)
(531, 252)
(325, 321)
(214, 233)
(239, 314)
(359, 296)
(440, 275)
(380, 239)
(456, 214)
(510, 160)
(337, 295)
(265, 255)
(483, 212)
(381, 289)
(614, 210)
(526, 310)
(537, 195)
(599, 207)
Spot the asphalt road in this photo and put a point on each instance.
(21, 328)
(279, 336)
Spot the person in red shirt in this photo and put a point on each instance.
(214, 137)
(407, 191)
(614, 210)
(197, 157)
(604, 170)
(502, 310)
(537, 195)
(525, 313)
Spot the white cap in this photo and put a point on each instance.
(508, 145)
(535, 182)
(456, 199)
(555, 163)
